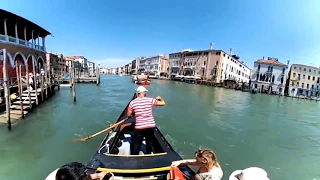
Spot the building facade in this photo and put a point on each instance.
(164, 67)
(22, 42)
(104, 71)
(130, 68)
(135, 66)
(56, 62)
(214, 65)
(269, 76)
(69, 61)
(114, 71)
(84, 63)
(126, 69)
(62, 65)
(303, 81)
(91, 67)
(123, 70)
(82, 60)
(152, 65)
(232, 68)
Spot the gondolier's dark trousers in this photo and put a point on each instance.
(137, 139)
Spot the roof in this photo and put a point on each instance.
(270, 62)
(75, 57)
(192, 51)
(303, 65)
(68, 59)
(12, 19)
(210, 50)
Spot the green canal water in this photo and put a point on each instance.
(281, 135)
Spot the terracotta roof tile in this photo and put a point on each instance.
(75, 57)
(270, 62)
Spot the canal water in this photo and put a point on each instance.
(281, 135)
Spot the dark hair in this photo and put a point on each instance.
(71, 171)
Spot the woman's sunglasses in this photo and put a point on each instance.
(199, 153)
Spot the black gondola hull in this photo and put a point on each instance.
(114, 154)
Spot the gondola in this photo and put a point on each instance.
(113, 155)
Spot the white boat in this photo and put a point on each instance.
(65, 85)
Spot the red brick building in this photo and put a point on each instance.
(24, 42)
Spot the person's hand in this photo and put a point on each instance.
(175, 164)
(101, 175)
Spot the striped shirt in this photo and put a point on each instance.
(142, 107)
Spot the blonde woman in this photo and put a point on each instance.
(209, 168)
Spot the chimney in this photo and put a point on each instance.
(211, 45)
(263, 57)
(288, 62)
(230, 51)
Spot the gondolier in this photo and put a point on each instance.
(145, 123)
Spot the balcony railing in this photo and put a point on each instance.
(190, 67)
(268, 72)
(20, 42)
(175, 65)
(2, 37)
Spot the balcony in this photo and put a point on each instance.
(20, 42)
(174, 65)
(270, 72)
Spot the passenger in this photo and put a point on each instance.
(38, 79)
(31, 81)
(210, 168)
(42, 72)
(145, 124)
(251, 173)
(76, 171)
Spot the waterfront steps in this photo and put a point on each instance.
(20, 108)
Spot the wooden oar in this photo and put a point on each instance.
(100, 132)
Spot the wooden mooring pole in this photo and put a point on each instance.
(58, 79)
(51, 79)
(35, 79)
(18, 70)
(41, 87)
(6, 88)
(28, 86)
(73, 83)
(98, 75)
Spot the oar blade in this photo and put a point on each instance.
(82, 139)
(100, 132)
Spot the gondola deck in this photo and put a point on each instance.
(114, 155)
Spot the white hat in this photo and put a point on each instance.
(52, 175)
(251, 173)
(141, 89)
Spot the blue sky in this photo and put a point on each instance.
(115, 32)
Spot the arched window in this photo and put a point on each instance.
(273, 77)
